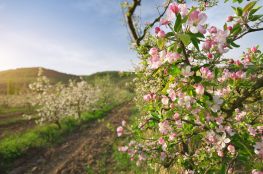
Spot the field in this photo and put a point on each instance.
(84, 145)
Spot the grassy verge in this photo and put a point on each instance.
(44, 136)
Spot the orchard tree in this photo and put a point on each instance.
(200, 111)
(82, 97)
(51, 101)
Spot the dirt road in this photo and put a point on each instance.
(80, 152)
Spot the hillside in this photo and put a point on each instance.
(16, 80)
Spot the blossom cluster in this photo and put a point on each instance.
(197, 104)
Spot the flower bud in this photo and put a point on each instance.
(229, 19)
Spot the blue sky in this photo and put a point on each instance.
(77, 36)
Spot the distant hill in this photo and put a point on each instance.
(119, 78)
(17, 80)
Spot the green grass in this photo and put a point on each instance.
(17, 145)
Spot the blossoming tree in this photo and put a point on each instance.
(201, 112)
(55, 102)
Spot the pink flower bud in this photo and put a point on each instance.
(209, 55)
(174, 8)
(231, 149)
(157, 29)
(161, 140)
(220, 153)
(229, 19)
(254, 49)
(161, 34)
(229, 28)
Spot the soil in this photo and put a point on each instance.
(15, 127)
(81, 152)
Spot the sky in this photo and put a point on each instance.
(79, 36)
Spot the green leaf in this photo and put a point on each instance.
(197, 79)
(236, 29)
(169, 34)
(185, 38)
(254, 17)
(253, 11)
(174, 70)
(249, 6)
(178, 23)
(239, 11)
(195, 42)
(233, 44)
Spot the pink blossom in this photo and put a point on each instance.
(220, 36)
(207, 45)
(172, 136)
(120, 131)
(176, 116)
(161, 34)
(258, 148)
(173, 7)
(231, 149)
(147, 97)
(206, 73)
(212, 30)
(183, 9)
(256, 172)
(172, 57)
(222, 141)
(153, 51)
(172, 94)
(199, 89)
(164, 127)
(211, 136)
(123, 148)
(163, 156)
(165, 100)
(155, 62)
(229, 130)
(240, 115)
(196, 21)
(161, 141)
(164, 21)
(187, 71)
(252, 131)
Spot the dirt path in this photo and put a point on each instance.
(80, 152)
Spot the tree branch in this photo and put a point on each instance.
(129, 19)
(250, 30)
